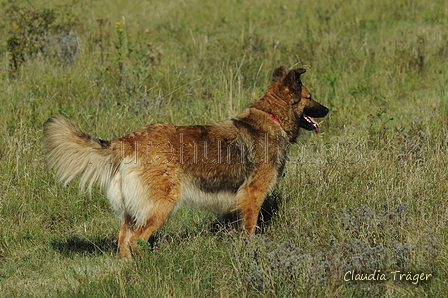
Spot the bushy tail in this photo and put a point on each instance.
(72, 152)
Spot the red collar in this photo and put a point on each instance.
(273, 118)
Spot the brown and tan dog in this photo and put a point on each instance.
(227, 167)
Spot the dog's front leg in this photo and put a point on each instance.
(251, 197)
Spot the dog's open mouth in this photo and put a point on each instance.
(309, 123)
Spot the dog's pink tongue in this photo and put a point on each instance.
(314, 123)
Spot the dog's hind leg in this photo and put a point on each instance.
(162, 211)
(124, 235)
(156, 205)
(129, 233)
(116, 199)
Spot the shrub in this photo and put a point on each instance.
(34, 32)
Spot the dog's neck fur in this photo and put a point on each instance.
(275, 105)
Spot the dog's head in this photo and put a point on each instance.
(289, 87)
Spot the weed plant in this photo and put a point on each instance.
(366, 196)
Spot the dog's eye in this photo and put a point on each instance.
(309, 98)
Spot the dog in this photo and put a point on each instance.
(228, 167)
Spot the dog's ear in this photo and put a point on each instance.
(293, 78)
(300, 71)
(279, 72)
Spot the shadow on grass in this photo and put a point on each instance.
(268, 210)
(88, 246)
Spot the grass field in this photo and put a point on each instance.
(366, 196)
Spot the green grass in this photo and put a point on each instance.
(369, 193)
